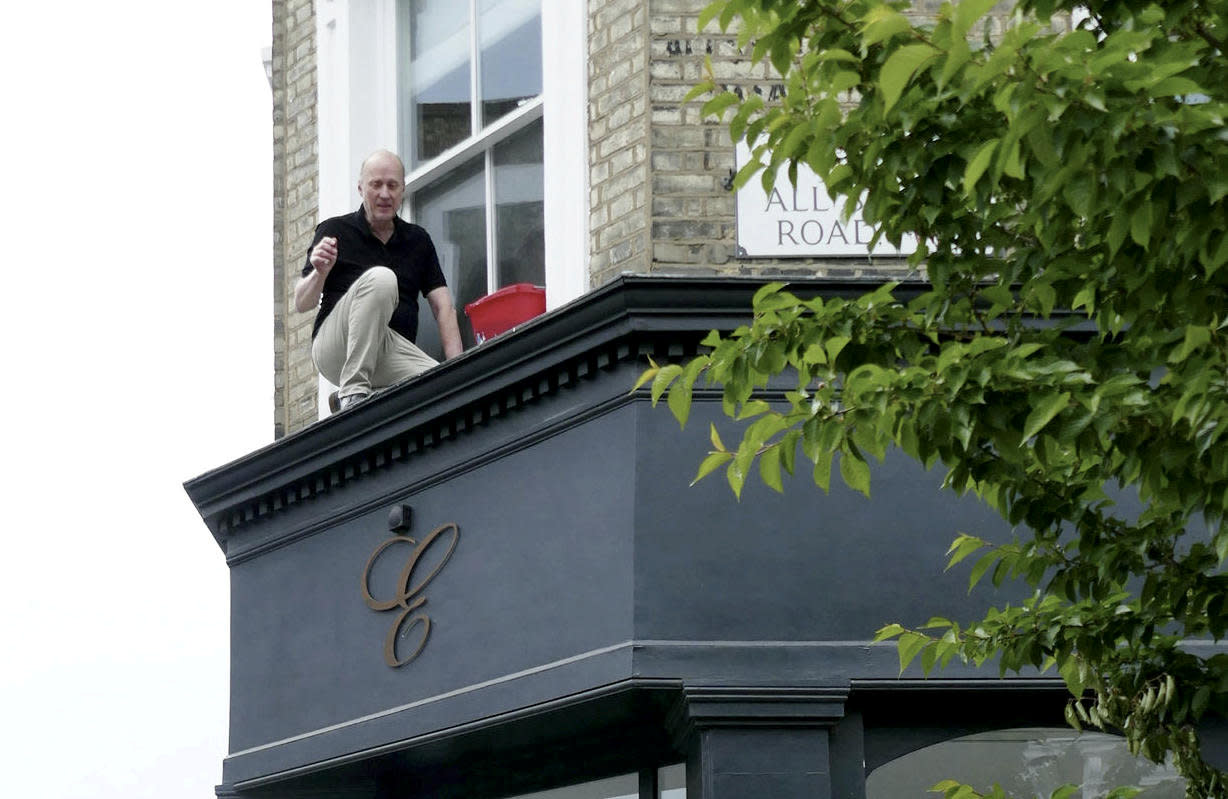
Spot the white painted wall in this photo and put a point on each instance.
(333, 128)
(565, 94)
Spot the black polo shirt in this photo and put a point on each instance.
(409, 253)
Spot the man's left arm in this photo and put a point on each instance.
(445, 316)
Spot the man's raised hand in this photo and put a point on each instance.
(324, 255)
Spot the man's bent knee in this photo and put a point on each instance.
(377, 288)
(380, 276)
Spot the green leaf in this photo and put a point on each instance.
(822, 471)
(962, 547)
(764, 292)
(698, 89)
(834, 345)
(1140, 224)
(959, 54)
(665, 375)
(929, 656)
(856, 473)
(909, 646)
(769, 468)
(888, 631)
(646, 375)
(717, 105)
(977, 165)
(881, 23)
(1044, 295)
(1198, 705)
(714, 461)
(966, 15)
(1013, 165)
(988, 560)
(735, 474)
(1117, 232)
(737, 125)
(1086, 298)
(899, 69)
(1196, 336)
(708, 14)
(1044, 408)
(1213, 258)
(815, 354)
(836, 54)
(680, 393)
(1072, 717)
(1072, 674)
(1171, 87)
(751, 409)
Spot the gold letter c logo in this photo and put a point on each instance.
(408, 596)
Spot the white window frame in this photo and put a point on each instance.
(357, 113)
(565, 133)
(563, 107)
(461, 153)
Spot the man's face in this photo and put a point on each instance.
(382, 186)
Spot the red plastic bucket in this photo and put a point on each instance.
(502, 310)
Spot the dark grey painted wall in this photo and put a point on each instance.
(571, 549)
(541, 572)
(794, 567)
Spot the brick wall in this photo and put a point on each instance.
(295, 193)
(618, 132)
(693, 222)
(690, 224)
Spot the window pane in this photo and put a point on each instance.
(624, 787)
(453, 211)
(519, 230)
(439, 82)
(510, 32)
(1026, 762)
(671, 782)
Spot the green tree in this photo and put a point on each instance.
(1067, 183)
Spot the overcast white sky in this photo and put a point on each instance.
(135, 192)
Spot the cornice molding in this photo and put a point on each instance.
(630, 317)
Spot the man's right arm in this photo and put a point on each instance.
(309, 288)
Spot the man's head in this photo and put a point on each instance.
(381, 182)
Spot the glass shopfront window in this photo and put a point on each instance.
(671, 782)
(624, 787)
(1025, 762)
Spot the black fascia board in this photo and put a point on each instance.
(628, 306)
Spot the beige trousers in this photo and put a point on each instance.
(355, 349)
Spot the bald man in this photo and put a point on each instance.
(365, 271)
